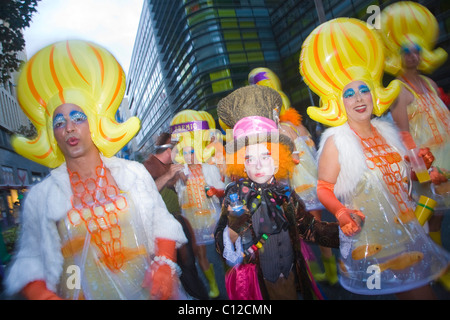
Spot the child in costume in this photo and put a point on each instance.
(199, 195)
(362, 174)
(96, 227)
(262, 240)
(410, 32)
(304, 177)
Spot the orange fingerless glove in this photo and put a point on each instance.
(408, 140)
(325, 194)
(346, 217)
(37, 290)
(162, 276)
(220, 193)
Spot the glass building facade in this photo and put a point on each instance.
(190, 54)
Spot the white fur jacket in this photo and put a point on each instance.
(39, 256)
(351, 157)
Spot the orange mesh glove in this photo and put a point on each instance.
(162, 276)
(220, 193)
(349, 220)
(427, 156)
(408, 140)
(37, 290)
(437, 177)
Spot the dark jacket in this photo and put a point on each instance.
(292, 215)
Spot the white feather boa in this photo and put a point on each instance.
(351, 157)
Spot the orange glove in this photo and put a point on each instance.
(37, 290)
(215, 192)
(427, 156)
(349, 220)
(162, 275)
(437, 177)
(408, 140)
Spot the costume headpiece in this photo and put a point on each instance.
(77, 72)
(248, 101)
(249, 111)
(192, 128)
(405, 24)
(266, 77)
(336, 53)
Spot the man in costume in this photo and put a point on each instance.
(166, 174)
(96, 227)
(200, 193)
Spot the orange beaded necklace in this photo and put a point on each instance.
(382, 156)
(97, 203)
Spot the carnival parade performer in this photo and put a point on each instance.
(304, 177)
(409, 32)
(362, 171)
(261, 239)
(199, 196)
(96, 227)
(166, 173)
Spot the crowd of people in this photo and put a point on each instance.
(101, 227)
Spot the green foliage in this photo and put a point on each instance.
(15, 15)
(10, 237)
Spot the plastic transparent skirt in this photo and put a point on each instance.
(110, 261)
(392, 253)
(304, 177)
(201, 211)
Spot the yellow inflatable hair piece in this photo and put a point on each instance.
(266, 77)
(192, 128)
(336, 53)
(80, 73)
(409, 23)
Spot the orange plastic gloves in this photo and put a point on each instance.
(37, 290)
(408, 140)
(220, 193)
(349, 220)
(161, 276)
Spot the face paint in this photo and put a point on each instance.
(415, 48)
(77, 117)
(59, 121)
(350, 93)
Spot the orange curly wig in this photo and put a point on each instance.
(235, 167)
(291, 115)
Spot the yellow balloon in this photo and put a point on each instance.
(266, 77)
(409, 23)
(77, 72)
(336, 53)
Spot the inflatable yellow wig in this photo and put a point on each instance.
(404, 24)
(80, 73)
(191, 128)
(336, 53)
(266, 77)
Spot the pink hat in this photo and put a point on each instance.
(253, 125)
